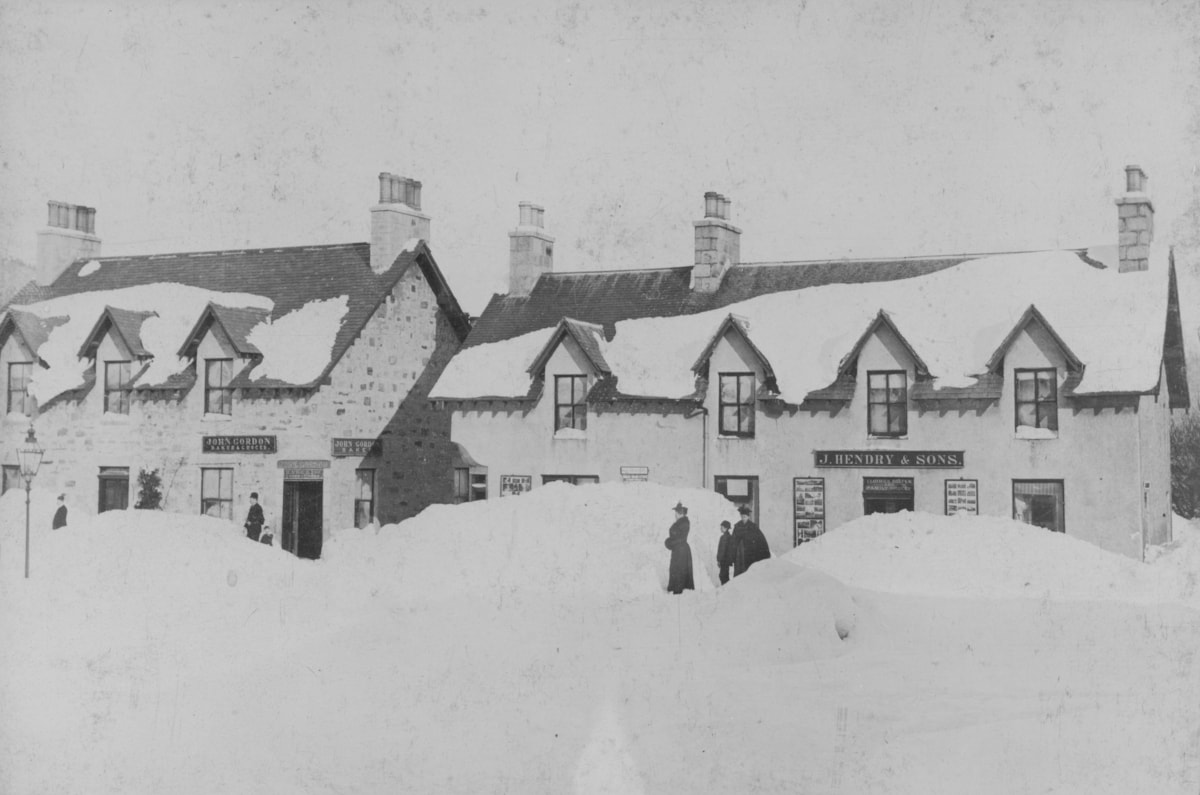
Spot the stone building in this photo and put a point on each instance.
(1033, 385)
(298, 373)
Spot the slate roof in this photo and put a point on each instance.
(586, 336)
(128, 328)
(291, 277)
(606, 297)
(32, 330)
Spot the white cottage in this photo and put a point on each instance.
(1033, 385)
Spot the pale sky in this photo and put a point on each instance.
(837, 128)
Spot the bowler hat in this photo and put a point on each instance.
(679, 506)
(744, 509)
(254, 495)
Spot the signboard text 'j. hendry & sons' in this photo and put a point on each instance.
(890, 459)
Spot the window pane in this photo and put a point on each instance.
(563, 387)
(746, 385)
(366, 483)
(1049, 416)
(226, 479)
(878, 418)
(877, 381)
(1026, 415)
(747, 422)
(898, 422)
(1045, 384)
(1025, 387)
(728, 389)
(209, 481)
(729, 418)
(1039, 503)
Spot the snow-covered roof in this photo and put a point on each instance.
(954, 319)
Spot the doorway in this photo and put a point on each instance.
(114, 489)
(887, 495)
(303, 517)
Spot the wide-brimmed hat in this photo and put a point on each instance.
(744, 509)
(679, 506)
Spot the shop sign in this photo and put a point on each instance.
(302, 463)
(962, 496)
(237, 444)
(887, 485)
(808, 496)
(303, 474)
(890, 459)
(635, 474)
(356, 448)
(511, 485)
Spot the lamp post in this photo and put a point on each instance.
(29, 457)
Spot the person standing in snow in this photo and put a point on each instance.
(254, 518)
(749, 543)
(60, 516)
(724, 552)
(680, 578)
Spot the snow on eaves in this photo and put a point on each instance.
(954, 319)
(177, 306)
(297, 347)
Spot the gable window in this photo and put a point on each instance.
(116, 387)
(1039, 503)
(19, 399)
(735, 401)
(887, 403)
(1037, 398)
(216, 492)
(570, 410)
(364, 497)
(218, 395)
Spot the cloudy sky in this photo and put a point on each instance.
(837, 128)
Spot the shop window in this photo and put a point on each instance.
(364, 497)
(116, 387)
(114, 489)
(11, 478)
(469, 486)
(1036, 400)
(887, 403)
(574, 480)
(216, 492)
(218, 395)
(1040, 503)
(887, 495)
(735, 404)
(19, 399)
(570, 410)
(740, 491)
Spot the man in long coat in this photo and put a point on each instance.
(60, 515)
(749, 543)
(680, 578)
(254, 518)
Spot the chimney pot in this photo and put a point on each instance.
(712, 204)
(531, 250)
(70, 235)
(1135, 179)
(396, 220)
(718, 244)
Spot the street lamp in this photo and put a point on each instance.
(29, 457)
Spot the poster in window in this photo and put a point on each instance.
(511, 485)
(808, 497)
(962, 496)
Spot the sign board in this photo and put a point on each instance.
(355, 448)
(887, 485)
(890, 459)
(962, 496)
(635, 474)
(808, 499)
(237, 444)
(515, 484)
(304, 473)
(302, 463)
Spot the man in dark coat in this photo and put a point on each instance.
(60, 516)
(749, 543)
(254, 518)
(724, 552)
(680, 578)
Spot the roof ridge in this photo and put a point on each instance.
(218, 252)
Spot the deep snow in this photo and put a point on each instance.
(526, 645)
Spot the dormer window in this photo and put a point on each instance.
(218, 395)
(735, 403)
(887, 403)
(570, 410)
(19, 399)
(1036, 401)
(116, 387)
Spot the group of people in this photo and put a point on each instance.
(256, 523)
(740, 547)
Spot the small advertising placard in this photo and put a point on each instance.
(808, 496)
(511, 485)
(635, 474)
(962, 496)
(237, 444)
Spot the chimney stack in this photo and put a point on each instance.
(70, 234)
(530, 250)
(1135, 222)
(718, 244)
(396, 219)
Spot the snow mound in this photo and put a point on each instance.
(992, 558)
(603, 541)
(297, 346)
